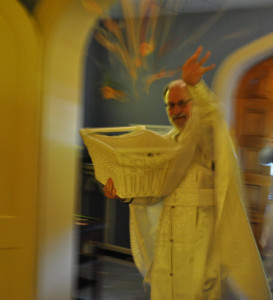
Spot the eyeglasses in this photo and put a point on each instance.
(180, 104)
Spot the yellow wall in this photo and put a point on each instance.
(20, 131)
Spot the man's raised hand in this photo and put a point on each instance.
(193, 69)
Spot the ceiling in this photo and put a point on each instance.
(191, 6)
(215, 5)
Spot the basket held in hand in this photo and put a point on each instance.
(138, 161)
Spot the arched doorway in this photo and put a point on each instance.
(253, 125)
(65, 27)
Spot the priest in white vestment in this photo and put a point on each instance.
(196, 243)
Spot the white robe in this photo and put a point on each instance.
(196, 243)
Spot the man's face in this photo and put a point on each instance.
(178, 105)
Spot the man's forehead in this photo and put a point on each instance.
(177, 91)
(177, 83)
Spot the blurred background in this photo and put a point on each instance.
(71, 64)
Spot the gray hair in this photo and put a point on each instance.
(171, 84)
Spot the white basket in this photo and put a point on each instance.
(138, 162)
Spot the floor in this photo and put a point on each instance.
(117, 279)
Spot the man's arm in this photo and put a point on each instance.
(192, 74)
(206, 103)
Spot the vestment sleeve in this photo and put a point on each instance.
(204, 97)
(207, 106)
